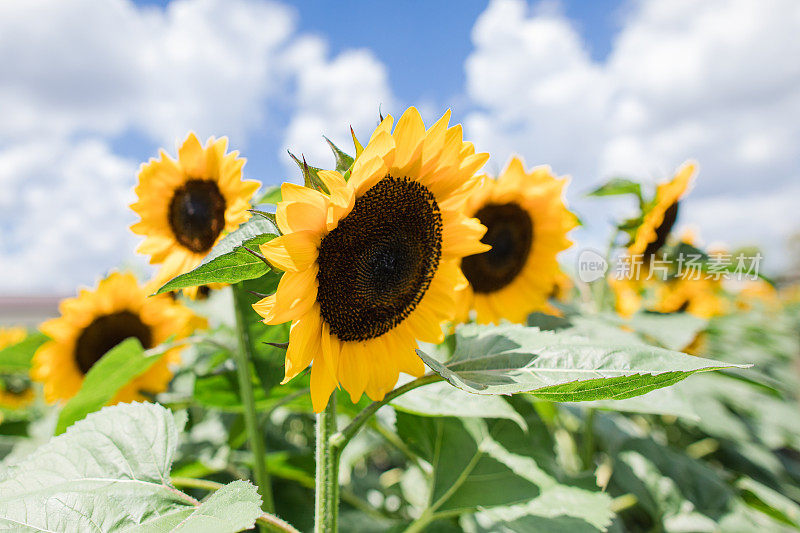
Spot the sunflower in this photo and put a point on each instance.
(658, 221)
(98, 320)
(703, 298)
(527, 225)
(373, 266)
(13, 392)
(187, 205)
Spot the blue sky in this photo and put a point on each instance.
(593, 89)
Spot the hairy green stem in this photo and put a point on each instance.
(340, 440)
(254, 435)
(326, 501)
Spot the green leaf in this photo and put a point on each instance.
(440, 399)
(464, 475)
(110, 472)
(228, 261)
(770, 502)
(311, 177)
(559, 509)
(674, 331)
(271, 195)
(343, 161)
(669, 401)
(113, 371)
(618, 186)
(16, 358)
(560, 367)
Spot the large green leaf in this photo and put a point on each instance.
(110, 472)
(674, 331)
(440, 399)
(228, 261)
(560, 367)
(113, 371)
(464, 476)
(559, 509)
(17, 357)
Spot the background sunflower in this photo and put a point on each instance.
(659, 219)
(187, 205)
(14, 392)
(527, 223)
(373, 266)
(96, 321)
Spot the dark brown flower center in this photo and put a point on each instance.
(197, 214)
(107, 331)
(662, 231)
(376, 265)
(509, 231)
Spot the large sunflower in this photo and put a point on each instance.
(98, 320)
(658, 221)
(187, 205)
(14, 392)
(527, 224)
(373, 266)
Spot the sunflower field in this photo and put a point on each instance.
(398, 344)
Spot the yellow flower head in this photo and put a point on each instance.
(373, 266)
(187, 205)
(527, 224)
(658, 221)
(9, 397)
(703, 298)
(96, 321)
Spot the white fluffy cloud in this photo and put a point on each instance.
(65, 214)
(712, 80)
(81, 65)
(78, 74)
(333, 95)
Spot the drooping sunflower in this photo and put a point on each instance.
(527, 223)
(187, 205)
(13, 392)
(652, 233)
(373, 266)
(96, 321)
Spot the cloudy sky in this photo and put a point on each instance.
(89, 90)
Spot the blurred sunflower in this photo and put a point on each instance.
(527, 224)
(652, 233)
(758, 294)
(373, 266)
(98, 320)
(187, 205)
(703, 298)
(14, 393)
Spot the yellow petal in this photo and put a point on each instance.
(304, 343)
(297, 216)
(408, 137)
(292, 252)
(352, 372)
(322, 385)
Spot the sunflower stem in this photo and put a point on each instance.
(254, 435)
(340, 440)
(326, 504)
